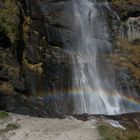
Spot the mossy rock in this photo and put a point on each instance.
(127, 57)
(9, 127)
(9, 18)
(3, 114)
(12, 126)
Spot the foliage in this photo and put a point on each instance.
(109, 133)
(9, 127)
(3, 114)
(9, 13)
(6, 88)
(127, 56)
(12, 126)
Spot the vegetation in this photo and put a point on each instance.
(37, 68)
(6, 88)
(12, 71)
(3, 114)
(9, 127)
(12, 126)
(26, 28)
(9, 18)
(125, 2)
(127, 56)
(109, 133)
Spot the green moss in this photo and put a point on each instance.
(9, 19)
(3, 114)
(109, 133)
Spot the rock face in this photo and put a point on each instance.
(126, 9)
(127, 53)
(33, 61)
(35, 41)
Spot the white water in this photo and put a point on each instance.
(90, 95)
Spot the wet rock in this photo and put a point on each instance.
(23, 105)
(124, 79)
(56, 65)
(129, 120)
(131, 29)
(83, 117)
(39, 48)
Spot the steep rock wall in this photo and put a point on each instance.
(31, 64)
(33, 60)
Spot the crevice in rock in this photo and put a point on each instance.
(4, 41)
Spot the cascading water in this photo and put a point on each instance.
(90, 89)
(82, 28)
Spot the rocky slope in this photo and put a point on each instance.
(21, 127)
(127, 53)
(33, 60)
(31, 128)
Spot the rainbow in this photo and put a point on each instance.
(77, 92)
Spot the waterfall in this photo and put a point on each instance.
(92, 88)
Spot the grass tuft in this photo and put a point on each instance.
(12, 126)
(109, 133)
(9, 127)
(3, 114)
